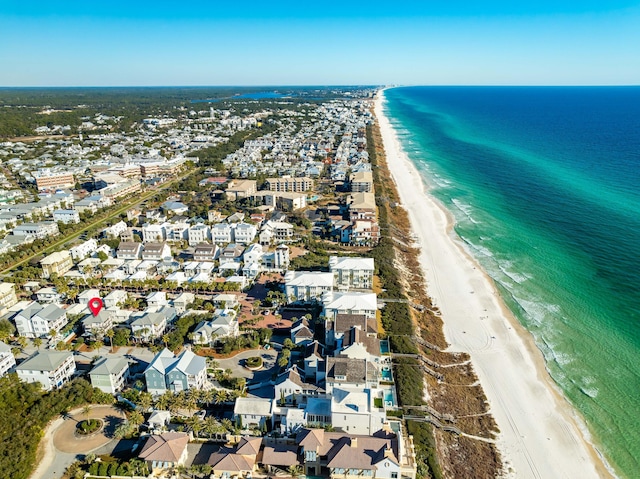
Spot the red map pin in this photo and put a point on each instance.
(95, 305)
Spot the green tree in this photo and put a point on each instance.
(110, 334)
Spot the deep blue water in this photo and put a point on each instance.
(544, 184)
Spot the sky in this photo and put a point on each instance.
(208, 42)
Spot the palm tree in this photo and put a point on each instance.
(206, 396)
(227, 424)
(295, 470)
(220, 396)
(110, 333)
(145, 400)
(211, 426)
(86, 411)
(37, 342)
(165, 339)
(136, 418)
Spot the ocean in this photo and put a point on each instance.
(544, 185)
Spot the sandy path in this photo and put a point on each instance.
(541, 436)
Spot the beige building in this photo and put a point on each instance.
(56, 263)
(51, 181)
(7, 296)
(290, 184)
(362, 182)
(241, 189)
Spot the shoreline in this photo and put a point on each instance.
(541, 434)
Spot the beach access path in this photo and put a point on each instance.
(541, 435)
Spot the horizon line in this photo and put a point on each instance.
(470, 85)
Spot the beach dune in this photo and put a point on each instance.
(541, 435)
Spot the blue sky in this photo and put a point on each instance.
(197, 42)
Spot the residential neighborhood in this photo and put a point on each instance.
(222, 325)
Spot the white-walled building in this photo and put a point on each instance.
(49, 368)
(36, 321)
(83, 250)
(335, 303)
(199, 233)
(307, 285)
(66, 216)
(352, 273)
(7, 360)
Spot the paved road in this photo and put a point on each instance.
(61, 447)
(236, 364)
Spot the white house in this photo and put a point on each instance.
(222, 233)
(355, 410)
(7, 360)
(129, 250)
(182, 301)
(223, 324)
(253, 254)
(307, 285)
(252, 412)
(156, 251)
(87, 295)
(244, 233)
(149, 326)
(199, 233)
(177, 231)
(115, 298)
(83, 250)
(49, 368)
(37, 321)
(66, 216)
(349, 303)
(154, 233)
(352, 273)
(114, 231)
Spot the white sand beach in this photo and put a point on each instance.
(541, 435)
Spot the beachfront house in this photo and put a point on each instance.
(305, 286)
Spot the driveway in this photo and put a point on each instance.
(236, 364)
(60, 447)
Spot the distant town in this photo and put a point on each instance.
(238, 329)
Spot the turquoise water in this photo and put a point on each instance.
(544, 186)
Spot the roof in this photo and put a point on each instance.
(345, 262)
(187, 362)
(344, 322)
(353, 370)
(355, 335)
(45, 361)
(253, 406)
(309, 278)
(226, 460)
(350, 451)
(280, 455)
(154, 247)
(249, 446)
(128, 246)
(350, 301)
(56, 257)
(362, 201)
(166, 447)
(107, 366)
